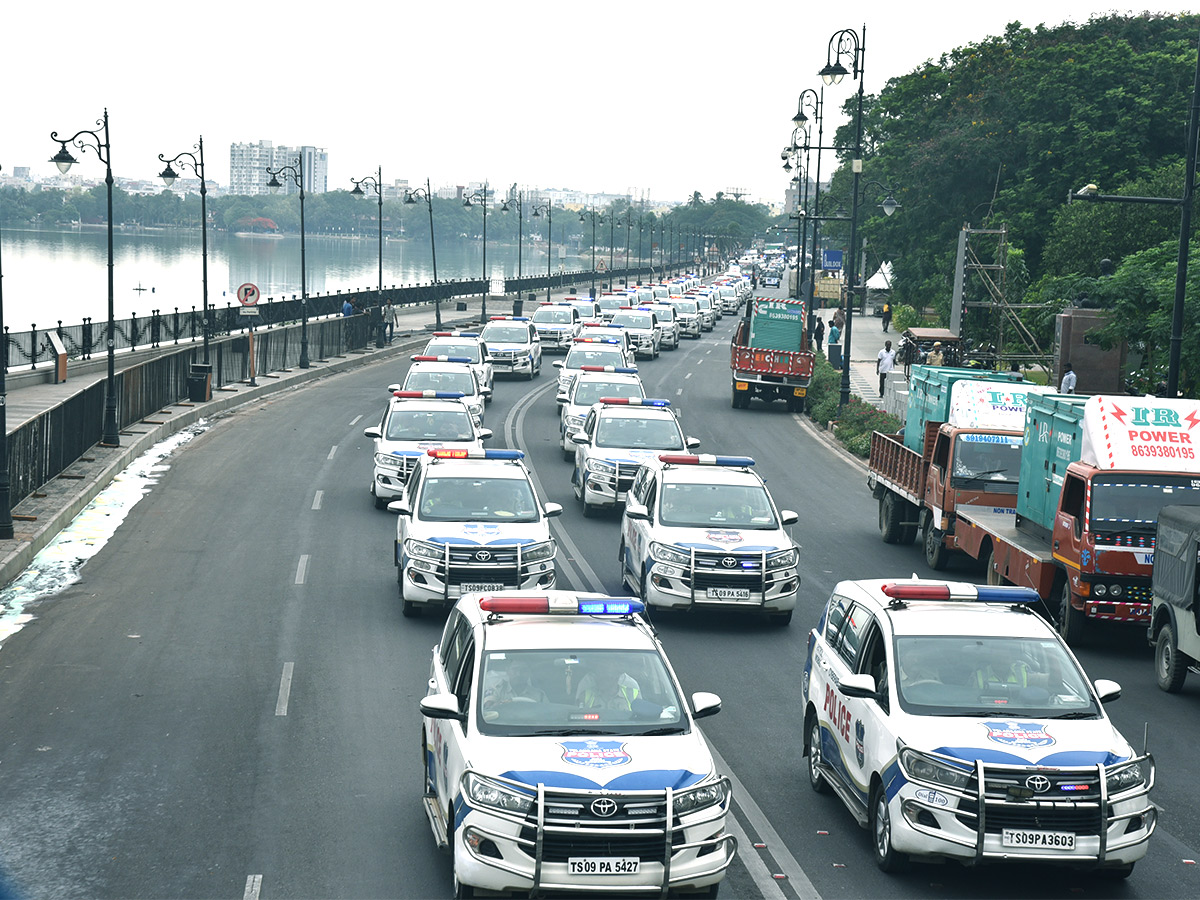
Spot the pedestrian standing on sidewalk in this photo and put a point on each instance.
(389, 319)
(819, 333)
(887, 316)
(347, 308)
(1068, 380)
(885, 362)
(839, 319)
(935, 357)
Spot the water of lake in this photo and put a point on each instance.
(52, 276)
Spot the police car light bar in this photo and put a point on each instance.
(453, 359)
(633, 401)
(596, 340)
(704, 459)
(624, 370)
(508, 318)
(589, 606)
(429, 395)
(456, 334)
(471, 453)
(967, 593)
(603, 324)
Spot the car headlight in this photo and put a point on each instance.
(574, 423)
(1099, 590)
(421, 549)
(667, 554)
(389, 461)
(1114, 590)
(1128, 776)
(538, 551)
(699, 798)
(601, 466)
(485, 792)
(920, 767)
(475, 408)
(782, 560)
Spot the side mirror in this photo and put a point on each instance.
(580, 438)
(373, 432)
(558, 364)
(705, 704)
(485, 391)
(442, 706)
(561, 399)
(552, 509)
(392, 388)
(860, 686)
(399, 507)
(692, 443)
(636, 511)
(485, 433)
(789, 516)
(1107, 690)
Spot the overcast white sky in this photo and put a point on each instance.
(660, 97)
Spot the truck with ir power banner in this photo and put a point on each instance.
(1095, 473)
(769, 355)
(961, 447)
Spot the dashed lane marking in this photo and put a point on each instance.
(317, 497)
(285, 690)
(332, 450)
(302, 569)
(253, 887)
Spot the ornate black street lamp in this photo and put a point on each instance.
(816, 103)
(64, 160)
(6, 519)
(514, 196)
(195, 162)
(426, 194)
(296, 174)
(481, 197)
(583, 217)
(375, 183)
(641, 227)
(548, 209)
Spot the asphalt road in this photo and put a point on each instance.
(226, 704)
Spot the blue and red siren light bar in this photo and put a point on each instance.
(508, 318)
(472, 453)
(603, 324)
(429, 395)
(596, 340)
(563, 606)
(471, 334)
(623, 370)
(452, 359)
(634, 401)
(963, 593)
(704, 459)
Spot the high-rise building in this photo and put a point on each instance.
(248, 165)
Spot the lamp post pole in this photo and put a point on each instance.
(641, 226)
(111, 435)
(427, 195)
(628, 227)
(296, 175)
(515, 196)
(548, 209)
(195, 162)
(583, 217)
(481, 197)
(6, 519)
(816, 102)
(612, 241)
(376, 184)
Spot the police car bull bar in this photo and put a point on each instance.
(541, 818)
(1002, 792)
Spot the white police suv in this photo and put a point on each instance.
(955, 724)
(617, 436)
(591, 350)
(413, 423)
(464, 344)
(691, 323)
(446, 373)
(668, 321)
(560, 753)
(470, 521)
(703, 531)
(642, 326)
(557, 324)
(513, 345)
(588, 387)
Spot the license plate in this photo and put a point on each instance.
(717, 593)
(799, 392)
(1037, 840)
(741, 386)
(603, 865)
(481, 587)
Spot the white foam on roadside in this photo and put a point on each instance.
(57, 565)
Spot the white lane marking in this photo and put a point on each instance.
(766, 833)
(285, 690)
(302, 569)
(752, 859)
(678, 391)
(317, 497)
(687, 376)
(332, 450)
(354, 421)
(253, 886)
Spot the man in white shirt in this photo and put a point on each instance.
(885, 363)
(1068, 380)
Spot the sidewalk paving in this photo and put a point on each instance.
(866, 340)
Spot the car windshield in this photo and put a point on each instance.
(686, 306)
(987, 459)
(594, 355)
(662, 292)
(609, 303)
(458, 499)
(424, 380)
(584, 692)
(710, 505)
(585, 309)
(429, 425)
(589, 392)
(448, 348)
(506, 334)
(553, 315)
(632, 320)
(1004, 677)
(665, 313)
(1121, 503)
(640, 433)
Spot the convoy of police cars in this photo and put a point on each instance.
(559, 750)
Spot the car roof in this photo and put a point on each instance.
(620, 411)
(706, 474)
(428, 403)
(477, 468)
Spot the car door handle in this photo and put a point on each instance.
(432, 683)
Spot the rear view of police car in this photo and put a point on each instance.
(560, 753)
(470, 521)
(703, 531)
(954, 723)
(588, 387)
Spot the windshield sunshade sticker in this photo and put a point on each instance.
(595, 754)
(650, 780)
(459, 539)
(1019, 735)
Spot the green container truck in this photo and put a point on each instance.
(929, 397)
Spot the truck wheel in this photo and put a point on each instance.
(1170, 666)
(909, 524)
(989, 569)
(1071, 621)
(891, 508)
(795, 404)
(936, 554)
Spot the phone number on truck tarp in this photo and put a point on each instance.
(1156, 450)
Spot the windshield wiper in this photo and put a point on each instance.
(978, 475)
(566, 732)
(1075, 714)
(672, 729)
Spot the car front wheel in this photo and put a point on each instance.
(886, 856)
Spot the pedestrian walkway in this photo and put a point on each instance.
(866, 340)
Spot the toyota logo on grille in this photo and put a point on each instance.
(604, 807)
(729, 562)
(1039, 784)
(483, 555)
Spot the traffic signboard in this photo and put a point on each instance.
(248, 294)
